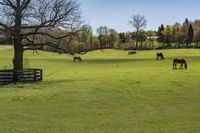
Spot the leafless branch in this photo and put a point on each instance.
(40, 18)
(138, 22)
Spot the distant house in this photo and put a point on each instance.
(153, 38)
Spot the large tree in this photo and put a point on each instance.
(138, 22)
(27, 20)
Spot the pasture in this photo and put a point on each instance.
(109, 92)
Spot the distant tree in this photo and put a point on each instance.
(197, 31)
(179, 38)
(138, 22)
(184, 29)
(122, 37)
(190, 35)
(186, 21)
(197, 36)
(102, 31)
(95, 43)
(151, 38)
(114, 38)
(196, 24)
(141, 37)
(174, 30)
(160, 34)
(177, 25)
(129, 40)
(85, 36)
(168, 35)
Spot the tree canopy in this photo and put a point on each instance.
(29, 21)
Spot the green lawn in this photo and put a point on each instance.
(109, 92)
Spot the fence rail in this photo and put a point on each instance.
(26, 75)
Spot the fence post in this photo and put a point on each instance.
(14, 76)
(34, 71)
(41, 74)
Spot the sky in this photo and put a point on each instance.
(116, 13)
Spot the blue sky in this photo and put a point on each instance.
(116, 13)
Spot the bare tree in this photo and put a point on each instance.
(102, 31)
(138, 22)
(28, 20)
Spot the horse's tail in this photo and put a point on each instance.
(163, 57)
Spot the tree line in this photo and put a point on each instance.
(185, 35)
(180, 35)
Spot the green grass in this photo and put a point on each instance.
(109, 92)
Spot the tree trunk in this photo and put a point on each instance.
(18, 55)
(187, 44)
(137, 39)
(18, 47)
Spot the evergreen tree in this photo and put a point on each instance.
(190, 35)
(122, 37)
(161, 37)
(186, 21)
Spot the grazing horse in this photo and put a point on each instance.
(132, 53)
(160, 56)
(181, 62)
(77, 58)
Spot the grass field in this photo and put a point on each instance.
(109, 92)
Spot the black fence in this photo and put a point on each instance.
(26, 76)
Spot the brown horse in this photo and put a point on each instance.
(181, 62)
(77, 58)
(132, 53)
(160, 56)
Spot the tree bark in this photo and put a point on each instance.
(137, 38)
(18, 55)
(17, 40)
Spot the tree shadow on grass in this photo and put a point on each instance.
(110, 61)
(40, 85)
(60, 81)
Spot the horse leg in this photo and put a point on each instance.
(174, 66)
(181, 66)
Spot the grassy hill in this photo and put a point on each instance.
(109, 92)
